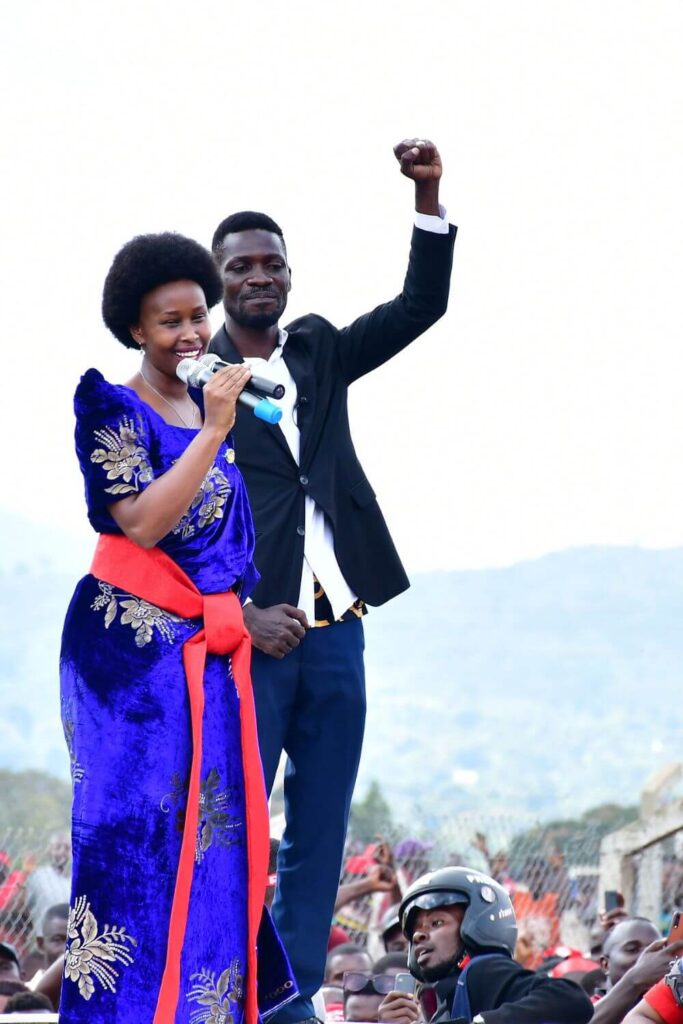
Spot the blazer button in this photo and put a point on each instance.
(300, 530)
(303, 480)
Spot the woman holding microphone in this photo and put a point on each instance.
(170, 822)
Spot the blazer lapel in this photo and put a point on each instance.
(299, 365)
(222, 345)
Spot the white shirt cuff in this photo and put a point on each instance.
(430, 222)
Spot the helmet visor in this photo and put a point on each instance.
(429, 901)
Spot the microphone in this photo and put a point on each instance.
(266, 388)
(198, 372)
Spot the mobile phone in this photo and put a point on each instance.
(676, 929)
(404, 982)
(612, 900)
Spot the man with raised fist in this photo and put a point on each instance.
(322, 546)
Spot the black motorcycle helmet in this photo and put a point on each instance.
(389, 922)
(488, 925)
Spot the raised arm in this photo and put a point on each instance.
(377, 336)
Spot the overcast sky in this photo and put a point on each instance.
(544, 411)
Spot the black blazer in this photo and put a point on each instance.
(323, 361)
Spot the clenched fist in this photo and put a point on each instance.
(419, 159)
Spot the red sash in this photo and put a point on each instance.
(149, 574)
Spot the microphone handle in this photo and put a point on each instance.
(261, 407)
(196, 375)
(261, 385)
(266, 387)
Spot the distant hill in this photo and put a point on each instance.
(549, 686)
(542, 689)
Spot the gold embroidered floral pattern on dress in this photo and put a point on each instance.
(90, 954)
(207, 504)
(216, 825)
(219, 1001)
(123, 457)
(142, 616)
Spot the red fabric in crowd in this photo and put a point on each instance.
(11, 888)
(573, 964)
(338, 936)
(661, 998)
(359, 864)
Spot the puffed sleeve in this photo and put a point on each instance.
(112, 444)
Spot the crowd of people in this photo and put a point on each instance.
(403, 934)
(624, 964)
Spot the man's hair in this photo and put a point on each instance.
(342, 950)
(346, 947)
(60, 911)
(245, 220)
(396, 959)
(22, 1002)
(608, 941)
(143, 264)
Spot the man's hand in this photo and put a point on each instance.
(398, 1008)
(276, 630)
(383, 853)
(380, 878)
(653, 963)
(420, 160)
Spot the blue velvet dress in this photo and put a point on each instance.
(126, 721)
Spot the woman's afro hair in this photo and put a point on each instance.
(143, 264)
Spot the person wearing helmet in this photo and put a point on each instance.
(461, 930)
(391, 933)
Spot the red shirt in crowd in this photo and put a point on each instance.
(662, 1000)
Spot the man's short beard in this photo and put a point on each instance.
(245, 316)
(443, 970)
(257, 321)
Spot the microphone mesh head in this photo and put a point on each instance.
(209, 359)
(187, 370)
(196, 372)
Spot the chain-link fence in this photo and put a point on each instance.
(644, 860)
(657, 873)
(555, 875)
(34, 877)
(552, 877)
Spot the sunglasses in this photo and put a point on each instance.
(359, 981)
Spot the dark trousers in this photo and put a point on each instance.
(311, 704)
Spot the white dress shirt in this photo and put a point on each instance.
(319, 556)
